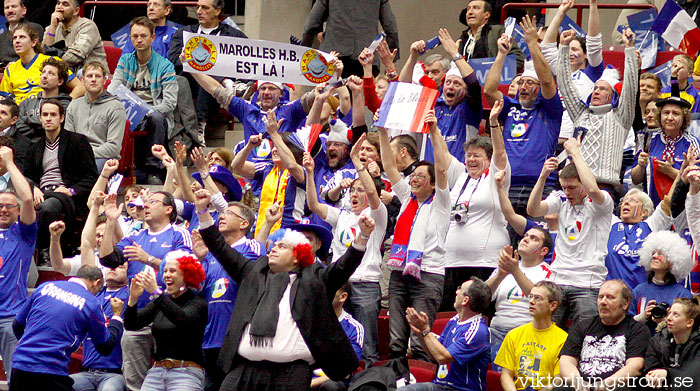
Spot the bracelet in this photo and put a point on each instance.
(391, 75)
(457, 57)
(50, 35)
(105, 177)
(495, 126)
(425, 333)
(204, 175)
(149, 261)
(359, 170)
(199, 213)
(363, 236)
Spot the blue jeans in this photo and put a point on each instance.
(427, 387)
(156, 127)
(497, 337)
(424, 295)
(98, 381)
(8, 343)
(176, 379)
(576, 304)
(365, 298)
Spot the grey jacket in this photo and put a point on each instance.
(83, 43)
(102, 122)
(607, 125)
(350, 25)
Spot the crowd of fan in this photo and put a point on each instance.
(268, 271)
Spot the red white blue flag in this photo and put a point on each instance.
(404, 107)
(678, 28)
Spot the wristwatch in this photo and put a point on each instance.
(150, 259)
(457, 57)
(425, 332)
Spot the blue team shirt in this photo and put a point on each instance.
(453, 123)
(221, 291)
(161, 43)
(647, 291)
(622, 261)
(469, 344)
(656, 151)
(92, 359)
(355, 332)
(189, 214)
(251, 116)
(531, 137)
(16, 250)
(57, 317)
(157, 244)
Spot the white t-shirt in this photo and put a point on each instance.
(582, 238)
(76, 262)
(346, 229)
(434, 245)
(511, 305)
(485, 226)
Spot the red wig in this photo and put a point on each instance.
(304, 254)
(192, 271)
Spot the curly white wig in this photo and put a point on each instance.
(673, 246)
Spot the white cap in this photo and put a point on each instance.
(338, 132)
(453, 71)
(611, 76)
(274, 83)
(530, 71)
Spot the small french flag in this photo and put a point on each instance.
(678, 28)
(404, 107)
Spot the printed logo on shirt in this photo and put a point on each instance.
(347, 236)
(219, 288)
(573, 231)
(64, 296)
(529, 365)
(200, 53)
(264, 149)
(442, 371)
(518, 130)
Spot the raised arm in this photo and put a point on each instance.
(181, 172)
(440, 152)
(27, 214)
(536, 207)
(88, 238)
(315, 206)
(568, 90)
(314, 116)
(593, 18)
(585, 174)
(550, 36)
(108, 169)
(239, 165)
(112, 212)
(515, 220)
(389, 164)
(499, 156)
(273, 214)
(365, 178)
(58, 263)
(548, 88)
(493, 78)
(406, 74)
(630, 84)
(285, 153)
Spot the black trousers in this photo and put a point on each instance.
(268, 376)
(215, 375)
(23, 381)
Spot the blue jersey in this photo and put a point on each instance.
(251, 116)
(656, 151)
(647, 291)
(189, 214)
(16, 251)
(622, 261)
(57, 317)
(157, 244)
(355, 332)
(92, 359)
(220, 291)
(454, 123)
(469, 344)
(531, 137)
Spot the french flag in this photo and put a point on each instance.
(677, 28)
(404, 107)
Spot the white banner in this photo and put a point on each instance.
(244, 58)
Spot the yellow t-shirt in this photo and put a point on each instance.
(24, 82)
(532, 355)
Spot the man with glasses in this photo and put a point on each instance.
(531, 121)
(529, 355)
(512, 282)
(144, 250)
(18, 231)
(464, 343)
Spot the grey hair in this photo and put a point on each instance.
(647, 204)
(444, 61)
(674, 247)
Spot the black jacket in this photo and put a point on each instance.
(75, 158)
(176, 42)
(312, 294)
(659, 353)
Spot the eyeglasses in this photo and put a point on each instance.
(229, 212)
(528, 83)
(9, 206)
(537, 298)
(154, 201)
(418, 176)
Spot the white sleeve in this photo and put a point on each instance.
(218, 202)
(692, 214)
(332, 215)
(606, 208)
(454, 171)
(179, 207)
(554, 202)
(75, 263)
(380, 217)
(594, 49)
(402, 190)
(551, 54)
(658, 220)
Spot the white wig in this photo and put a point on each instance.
(673, 247)
(176, 254)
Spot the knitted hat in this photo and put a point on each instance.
(610, 76)
(675, 249)
(301, 247)
(529, 71)
(339, 132)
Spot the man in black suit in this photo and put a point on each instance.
(62, 166)
(283, 324)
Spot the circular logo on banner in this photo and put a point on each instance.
(315, 68)
(200, 53)
(220, 287)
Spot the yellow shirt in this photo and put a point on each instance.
(23, 82)
(273, 191)
(532, 355)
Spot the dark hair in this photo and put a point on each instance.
(142, 21)
(53, 101)
(569, 172)
(431, 169)
(133, 187)
(553, 290)
(408, 142)
(14, 109)
(669, 278)
(60, 66)
(378, 184)
(169, 200)
(479, 295)
(345, 288)
(90, 273)
(582, 41)
(487, 5)
(33, 34)
(7, 141)
(373, 139)
(218, 4)
(482, 142)
(247, 213)
(226, 154)
(547, 240)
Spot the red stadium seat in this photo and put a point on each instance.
(113, 55)
(423, 371)
(493, 381)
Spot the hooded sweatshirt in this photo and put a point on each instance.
(28, 123)
(102, 122)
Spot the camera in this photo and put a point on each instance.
(660, 310)
(459, 216)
